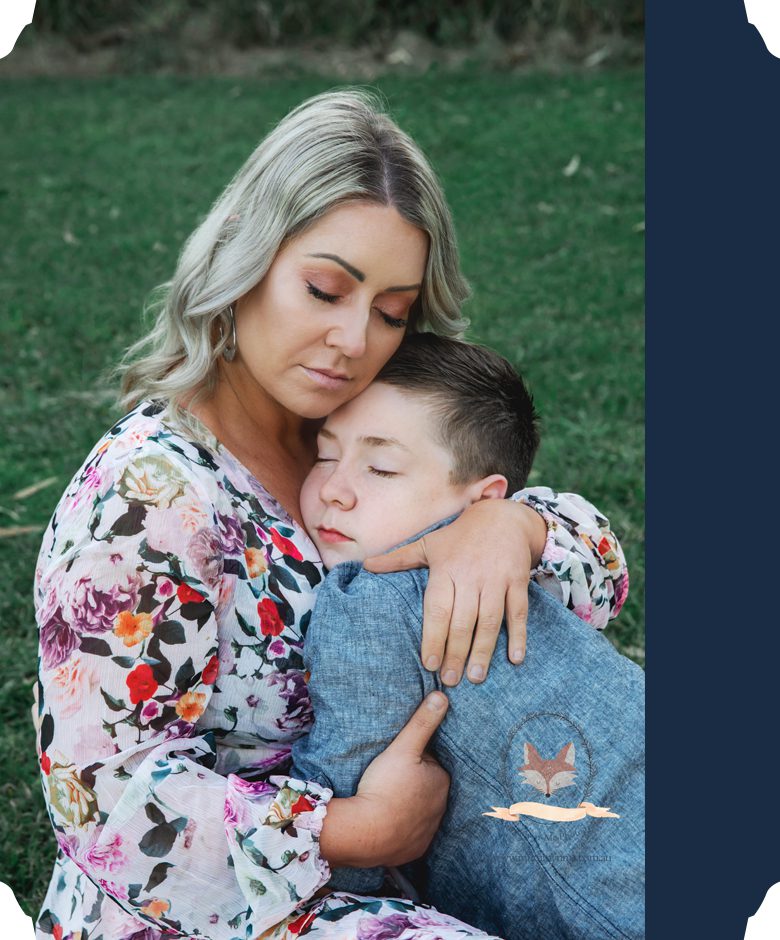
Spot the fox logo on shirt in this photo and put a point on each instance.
(547, 776)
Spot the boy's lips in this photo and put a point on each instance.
(332, 535)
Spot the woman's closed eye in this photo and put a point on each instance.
(320, 294)
(397, 323)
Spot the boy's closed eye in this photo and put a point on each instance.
(383, 473)
(377, 471)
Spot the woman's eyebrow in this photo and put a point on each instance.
(350, 269)
(398, 290)
(359, 276)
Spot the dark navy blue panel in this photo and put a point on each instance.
(713, 572)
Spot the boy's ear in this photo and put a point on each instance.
(492, 487)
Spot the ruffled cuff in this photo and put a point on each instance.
(582, 563)
(274, 843)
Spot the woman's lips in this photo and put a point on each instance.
(326, 378)
(333, 535)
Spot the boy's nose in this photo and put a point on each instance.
(336, 490)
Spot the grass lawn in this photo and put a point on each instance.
(101, 182)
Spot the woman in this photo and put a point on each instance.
(173, 590)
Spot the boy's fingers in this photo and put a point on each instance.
(402, 559)
(491, 615)
(437, 609)
(461, 631)
(418, 731)
(516, 619)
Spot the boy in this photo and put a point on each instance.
(543, 836)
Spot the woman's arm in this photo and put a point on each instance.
(129, 595)
(127, 610)
(582, 562)
(481, 563)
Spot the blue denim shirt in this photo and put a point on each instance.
(530, 878)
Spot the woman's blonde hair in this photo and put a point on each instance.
(334, 148)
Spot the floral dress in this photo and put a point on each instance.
(172, 598)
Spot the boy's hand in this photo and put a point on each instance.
(480, 566)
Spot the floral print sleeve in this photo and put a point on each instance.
(582, 563)
(171, 606)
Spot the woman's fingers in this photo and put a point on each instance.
(491, 615)
(405, 790)
(492, 612)
(517, 619)
(485, 583)
(461, 631)
(416, 734)
(437, 609)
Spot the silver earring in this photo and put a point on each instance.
(229, 352)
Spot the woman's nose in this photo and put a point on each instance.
(348, 334)
(336, 490)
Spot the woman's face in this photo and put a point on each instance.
(331, 310)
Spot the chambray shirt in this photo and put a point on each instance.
(530, 878)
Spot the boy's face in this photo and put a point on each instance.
(381, 476)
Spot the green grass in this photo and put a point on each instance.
(102, 181)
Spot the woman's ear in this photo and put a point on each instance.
(492, 487)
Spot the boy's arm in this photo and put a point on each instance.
(366, 680)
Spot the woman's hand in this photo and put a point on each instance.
(399, 803)
(480, 567)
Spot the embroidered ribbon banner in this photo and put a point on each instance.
(551, 813)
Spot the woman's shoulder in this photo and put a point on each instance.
(147, 455)
(144, 476)
(142, 460)
(150, 425)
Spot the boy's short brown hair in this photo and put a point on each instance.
(484, 411)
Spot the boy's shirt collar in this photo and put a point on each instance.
(431, 528)
(355, 566)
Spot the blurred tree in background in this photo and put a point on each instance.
(272, 22)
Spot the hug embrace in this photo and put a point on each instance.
(244, 731)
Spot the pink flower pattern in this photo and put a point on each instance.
(106, 857)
